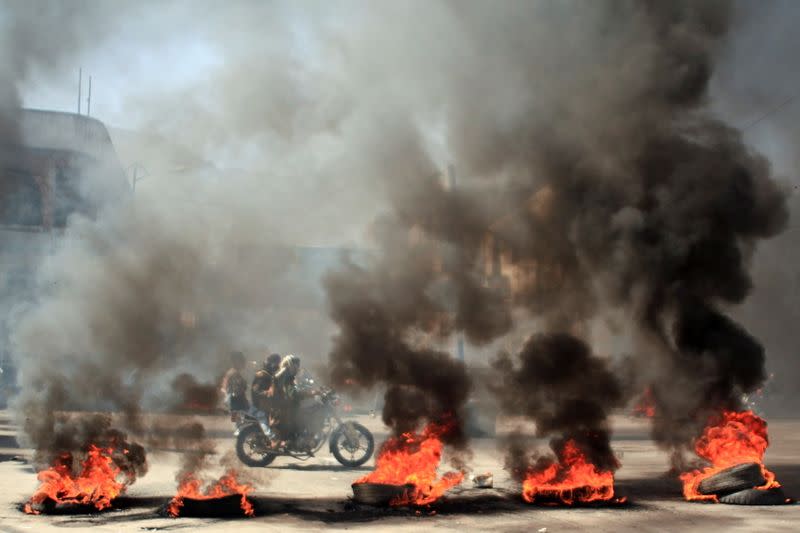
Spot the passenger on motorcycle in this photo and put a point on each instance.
(234, 386)
(261, 392)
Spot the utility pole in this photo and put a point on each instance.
(136, 176)
(80, 79)
(89, 99)
(451, 182)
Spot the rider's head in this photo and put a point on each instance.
(237, 360)
(290, 365)
(272, 363)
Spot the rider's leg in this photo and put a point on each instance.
(263, 421)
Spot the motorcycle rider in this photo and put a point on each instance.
(287, 396)
(262, 393)
(234, 386)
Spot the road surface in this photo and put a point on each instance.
(292, 496)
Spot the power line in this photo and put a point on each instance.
(771, 111)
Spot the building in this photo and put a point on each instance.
(46, 168)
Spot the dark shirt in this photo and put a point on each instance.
(260, 391)
(235, 388)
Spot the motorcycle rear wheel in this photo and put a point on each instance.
(339, 445)
(248, 442)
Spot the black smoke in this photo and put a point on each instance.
(601, 173)
(72, 437)
(569, 393)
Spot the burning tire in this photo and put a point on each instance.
(52, 507)
(222, 507)
(250, 446)
(734, 479)
(359, 450)
(755, 497)
(380, 494)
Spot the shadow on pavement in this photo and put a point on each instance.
(321, 468)
(327, 510)
(642, 494)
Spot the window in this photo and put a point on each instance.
(67, 198)
(20, 199)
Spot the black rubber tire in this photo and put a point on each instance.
(339, 432)
(755, 497)
(240, 452)
(733, 479)
(379, 493)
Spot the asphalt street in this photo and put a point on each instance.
(294, 496)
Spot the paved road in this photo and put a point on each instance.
(294, 496)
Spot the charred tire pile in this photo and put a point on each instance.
(755, 497)
(737, 486)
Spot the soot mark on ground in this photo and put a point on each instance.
(328, 510)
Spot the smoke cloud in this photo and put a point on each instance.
(567, 391)
(593, 172)
(605, 179)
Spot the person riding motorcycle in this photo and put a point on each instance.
(234, 386)
(261, 393)
(262, 382)
(287, 395)
(298, 427)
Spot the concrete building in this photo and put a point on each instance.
(46, 167)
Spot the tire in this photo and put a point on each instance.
(380, 493)
(755, 497)
(242, 443)
(335, 444)
(733, 479)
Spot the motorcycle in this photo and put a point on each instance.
(351, 443)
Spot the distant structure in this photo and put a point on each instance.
(44, 172)
(46, 168)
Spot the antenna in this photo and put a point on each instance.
(89, 98)
(80, 78)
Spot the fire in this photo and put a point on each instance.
(412, 458)
(573, 479)
(646, 405)
(191, 487)
(734, 438)
(97, 484)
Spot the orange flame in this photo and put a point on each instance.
(571, 480)
(97, 484)
(735, 438)
(191, 487)
(646, 405)
(413, 459)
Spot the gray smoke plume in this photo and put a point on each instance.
(136, 304)
(600, 171)
(378, 311)
(67, 445)
(137, 310)
(756, 87)
(36, 38)
(588, 157)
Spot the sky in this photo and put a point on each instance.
(319, 116)
(182, 70)
(148, 55)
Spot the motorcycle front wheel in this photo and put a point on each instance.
(250, 446)
(354, 449)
